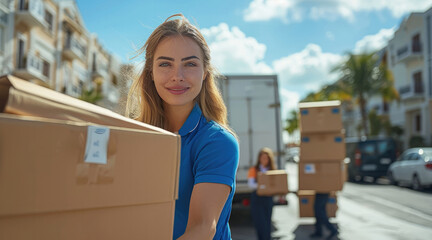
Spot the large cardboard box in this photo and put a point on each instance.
(322, 116)
(322, 176)
(306, 202)
(21, 97)
(273, 182)
(322, 146)
(55, 184)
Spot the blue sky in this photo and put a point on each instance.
(300, 40)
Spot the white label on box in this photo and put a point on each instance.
(96, 145)
(309, 168)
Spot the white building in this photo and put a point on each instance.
(6, 35)
(46, 42)
(409, 58)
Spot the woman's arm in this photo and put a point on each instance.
(206, 204)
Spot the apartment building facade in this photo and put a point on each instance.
(409, 58)
(46, 42)
(6, 35)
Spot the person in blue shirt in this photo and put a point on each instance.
(176, 91)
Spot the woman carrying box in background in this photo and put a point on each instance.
(176, 91)
(261, 206)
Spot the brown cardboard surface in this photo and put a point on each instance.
(273, 182)
(322, 146)
(321, 176)
(21, 97)
(47, 188)
(147, 221)
(306, 201)
(324, 116)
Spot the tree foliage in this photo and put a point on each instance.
(363, 77)
(292, 122)
(91, 96)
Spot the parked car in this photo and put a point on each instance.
(413, 167)
(292, 154)
(370, 157)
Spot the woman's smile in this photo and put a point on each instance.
(177, 90)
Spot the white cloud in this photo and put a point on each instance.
(290, 100)
(307, 70)
(263, 10)
(375, 42)
(296, 10)
(300, 73)
(233, 52)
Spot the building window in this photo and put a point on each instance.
(417, 120)
(416, 45)
(114, 80)
(45, 68)
(1, 39)
(22, 5)
(385, 106)
(49, 20)
(20, 56)
(3, 16)
(94, 63)
(418, 83)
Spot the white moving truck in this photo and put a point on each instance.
(254, 114)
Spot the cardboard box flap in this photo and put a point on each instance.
(21, 97)
(276, 172)
(335, 103)
(43, 169)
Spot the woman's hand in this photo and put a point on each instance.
(206, 204)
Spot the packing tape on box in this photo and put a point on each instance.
(98, 162)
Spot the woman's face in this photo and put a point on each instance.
(264, 160)
(178, 70)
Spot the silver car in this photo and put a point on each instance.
(413, 167)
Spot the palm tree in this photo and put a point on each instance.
(292, 122)
(362, 78)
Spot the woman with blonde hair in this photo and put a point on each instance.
(261, 206)
(176, 91)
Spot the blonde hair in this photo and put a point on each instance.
(271, 164)
(144, 103)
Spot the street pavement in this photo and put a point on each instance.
(366, 211)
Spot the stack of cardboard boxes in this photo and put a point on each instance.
(322, 151)
(72, 170)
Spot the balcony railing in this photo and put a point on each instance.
(410, 91)
(31, 67)
(99, 70)
(32, 13)
(73, 49)
(409, 52)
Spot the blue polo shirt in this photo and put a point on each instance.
(209, 154)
